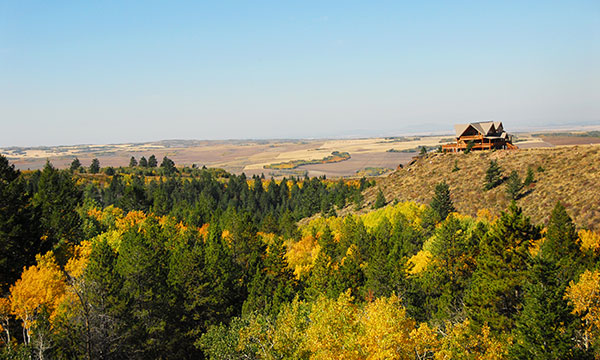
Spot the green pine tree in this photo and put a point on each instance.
(529, 179)
(561, 245)
(441, 203)
(95, 166)
(75, 165)
(546, 328)
(496, 294)
(57, 198)
(493, 175)
(133, 162)
(513, 186)
(152, 162)
(143, 162)
(19, 226)
(380, 200)
(168, 166)
(470, 145)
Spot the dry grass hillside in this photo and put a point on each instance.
(567, 174)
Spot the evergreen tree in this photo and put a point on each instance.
(380, 200)
(226, 295)
(168, 166)
(546, 327)
(134, 196)
(95, 166)
(493, 175)
(152, 162)
(529, 179)
(442, 203)
(561, 245)
(104, 306)
(57, 199)
(110, 171)
(454, 249)
(513, 186)
(19, 232)
(327, 243)
(142, 263)
(75, 165)
(470, 145)
(143, 162)
(133, 162)
(496, 294)
(378, 281)
(273, 283)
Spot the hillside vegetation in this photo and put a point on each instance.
(158, 262)
(566, 174)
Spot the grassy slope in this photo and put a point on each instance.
(572, 176)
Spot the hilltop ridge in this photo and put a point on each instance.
(567, 174)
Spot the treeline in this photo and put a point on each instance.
(406, 281)
(50, 204)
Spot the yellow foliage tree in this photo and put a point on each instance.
(425, 341)
(460, 341)
(589, 240)
(419, 262)
(385, 330)
(332, 333)
(40, 287)
(584, 295)
(302, 254)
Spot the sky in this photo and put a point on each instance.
(80, 72)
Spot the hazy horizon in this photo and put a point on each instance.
(100, 73)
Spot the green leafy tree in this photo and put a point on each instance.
(133, 162)
(513, 186)
(493, 175)
(379, 200)
(75, 164)
(152, 162)
(423, 151)
(95, 166)
(442, 203)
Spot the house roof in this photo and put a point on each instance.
(484, 127)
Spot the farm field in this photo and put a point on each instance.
(237, 156)
(252, 157)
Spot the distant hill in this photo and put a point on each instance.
(567, 174)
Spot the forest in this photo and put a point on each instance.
(154, 261)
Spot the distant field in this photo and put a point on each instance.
(255, 156)
(237, 156)
(571, 140)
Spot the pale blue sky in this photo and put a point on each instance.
(76, 72)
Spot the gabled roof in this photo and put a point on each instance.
(484, 127)
(461, 128)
